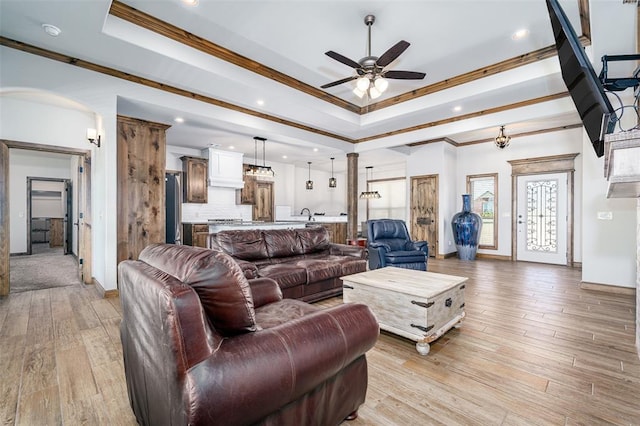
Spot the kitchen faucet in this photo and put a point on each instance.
(308, 212)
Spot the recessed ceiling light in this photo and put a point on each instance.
(457, 108)
(52, 30)
(232, 147)
(315, 149)
(260, 102)
(520, 34)
(190, 2)
(284, 156)
(179, 120)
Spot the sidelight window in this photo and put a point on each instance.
(484, 201)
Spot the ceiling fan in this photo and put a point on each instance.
(371, 74)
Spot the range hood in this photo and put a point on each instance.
(225, 168)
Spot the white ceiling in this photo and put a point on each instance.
(448, 38)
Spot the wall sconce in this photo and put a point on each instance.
(332, 180)
(309, 184)
(94, 137)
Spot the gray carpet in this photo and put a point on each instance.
(45, 268)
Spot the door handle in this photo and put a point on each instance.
(424, 221)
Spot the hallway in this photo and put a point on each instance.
(45, 268)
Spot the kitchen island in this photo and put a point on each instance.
(335, 224)
(337, 230)
(215, 226)
(195, 233)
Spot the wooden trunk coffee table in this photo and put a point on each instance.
(418, 305)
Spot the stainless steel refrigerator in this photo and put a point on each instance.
(173, 204)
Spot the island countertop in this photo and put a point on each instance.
(217, 227)
(314, 218)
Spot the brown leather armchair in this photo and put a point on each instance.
(204, 345)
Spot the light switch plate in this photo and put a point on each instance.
(605, 215)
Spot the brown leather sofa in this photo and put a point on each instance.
(203, 345)
(304, 262)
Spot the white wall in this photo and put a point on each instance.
(638, 276)
(320, 199)
(487, 158)
(284, 185)
(47, 205)
(437, 159)
(606, 249)
(609, 246)
(23, 164)
(43, 117)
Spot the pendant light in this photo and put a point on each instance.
(261, 171)
(332, 180)
(369, 194)
(502, 140)
(309, 184)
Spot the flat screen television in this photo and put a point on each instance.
(597, 114)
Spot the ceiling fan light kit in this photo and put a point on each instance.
(363, 83)
(381, 84)
(371, 75)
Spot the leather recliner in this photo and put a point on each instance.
(203, 345)
(389, 244)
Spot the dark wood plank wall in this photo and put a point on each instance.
(141, 194)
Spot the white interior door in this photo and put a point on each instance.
(542, 218)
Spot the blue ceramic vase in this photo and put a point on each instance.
(466, 227)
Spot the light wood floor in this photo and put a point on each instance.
(534, 349)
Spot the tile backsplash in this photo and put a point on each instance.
(221, 205)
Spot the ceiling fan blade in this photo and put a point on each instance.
(391, 54)
(404, 75)
(335, 83)
(338, 57)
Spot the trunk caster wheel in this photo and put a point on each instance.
(423, 348)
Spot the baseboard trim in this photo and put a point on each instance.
(447, 255)
(492, 256)
(606, 288)
(105, 293)
(24, 253)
